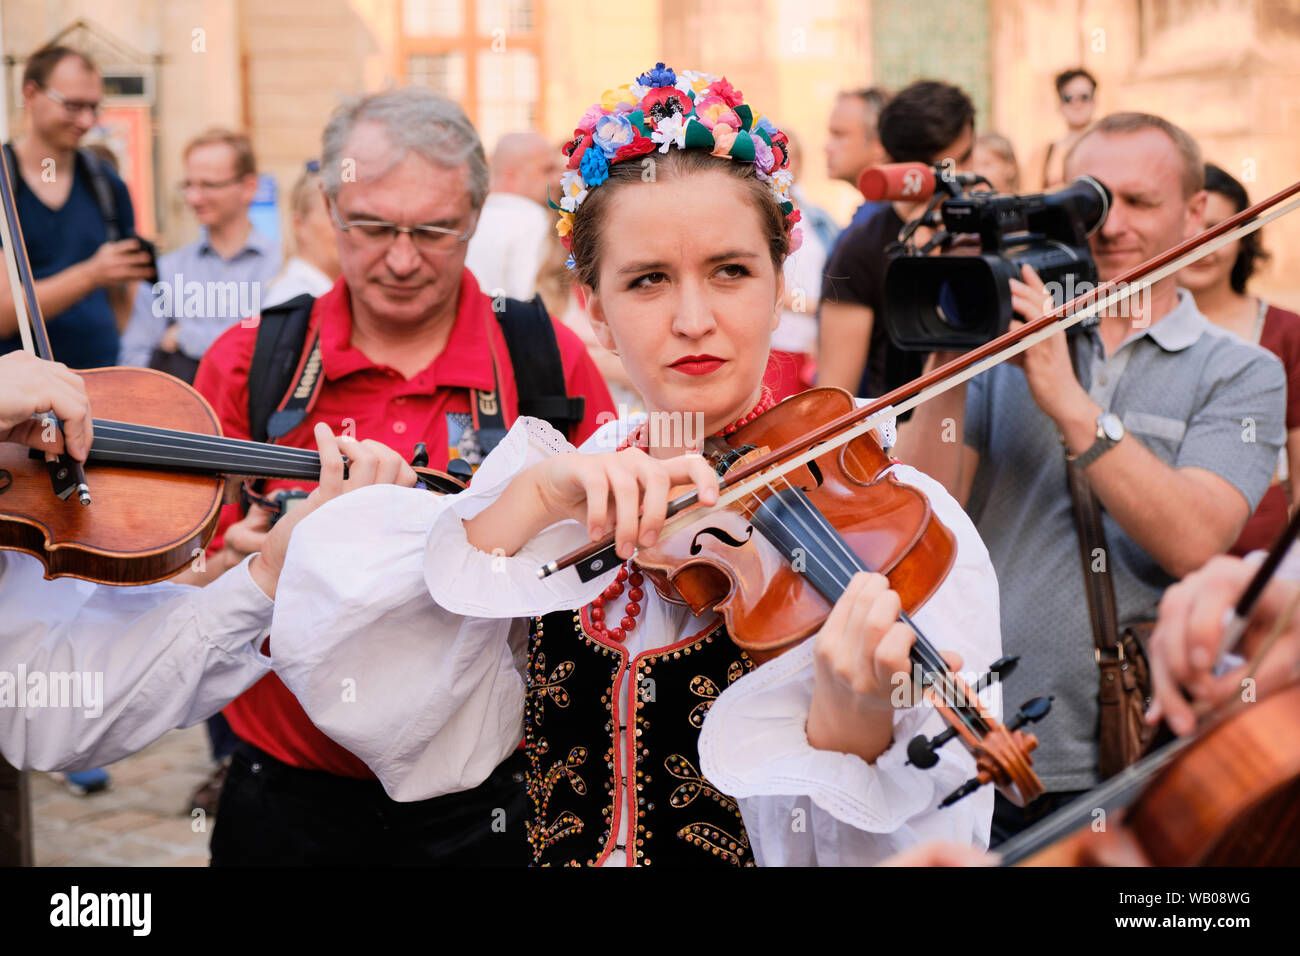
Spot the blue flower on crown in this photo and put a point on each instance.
(594, 167)
(659, 76)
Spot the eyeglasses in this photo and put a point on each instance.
(1071, 97)
(375, 232)
(73, 108)
(185, 185)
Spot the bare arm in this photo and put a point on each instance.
(1182, 517)
(931, 441)
(54, 294)
(113, 263)
(843, 338)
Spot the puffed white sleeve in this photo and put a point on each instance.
(91, 673)
(806, 807)
(405, 643)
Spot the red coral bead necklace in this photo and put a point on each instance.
(629, 576)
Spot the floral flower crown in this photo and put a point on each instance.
(664, 108)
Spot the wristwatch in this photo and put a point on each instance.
(1109, 432)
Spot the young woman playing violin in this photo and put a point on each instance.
(168, 655)
(422, 639)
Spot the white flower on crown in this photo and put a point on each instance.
(782, 180)
(671, 130)
(686, 80)
(638, 91)
(572, 190)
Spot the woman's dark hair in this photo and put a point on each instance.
(922, 119)
(589, 219)
(1251, 254)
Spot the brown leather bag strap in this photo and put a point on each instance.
(1097, 584)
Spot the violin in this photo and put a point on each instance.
(774, 563)
(1227, 796)
(158, 466)
(804, 504)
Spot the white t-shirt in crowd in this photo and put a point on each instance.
(507, 248)
(299, 277)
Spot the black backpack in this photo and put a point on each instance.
(530, 340)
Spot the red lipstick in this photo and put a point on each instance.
(698, 364)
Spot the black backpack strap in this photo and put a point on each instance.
(538, 367)
(278, 370)
(103, 190)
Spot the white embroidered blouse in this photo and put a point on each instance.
(405, 644)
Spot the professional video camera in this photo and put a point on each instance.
(960, 297)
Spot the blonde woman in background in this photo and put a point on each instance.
(315, 263)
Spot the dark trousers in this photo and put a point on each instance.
(1009, 819)
(273, 814)
(221, 737)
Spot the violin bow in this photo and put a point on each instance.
(66, 473)
(597, 557)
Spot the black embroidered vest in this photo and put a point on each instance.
(579, 759)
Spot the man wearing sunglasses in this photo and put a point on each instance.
(78, 224)
(1076, 91)
(405, 349)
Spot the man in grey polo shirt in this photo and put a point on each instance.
(1175, 425)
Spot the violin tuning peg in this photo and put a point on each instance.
(999, 670)
(421, 457)
(965, 790)
(922, 750)
(1031, 711)
(460, 468)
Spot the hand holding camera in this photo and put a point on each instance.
(126, 260)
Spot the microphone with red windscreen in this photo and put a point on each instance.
(898, 182)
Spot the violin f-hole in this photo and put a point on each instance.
(816, 473)
(722, 536)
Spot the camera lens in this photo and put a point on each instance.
(953, 307)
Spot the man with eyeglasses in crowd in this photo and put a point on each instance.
(81, 244)
(404, 349)
(210, 284)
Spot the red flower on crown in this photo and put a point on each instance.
(721, 88)
(781, 147)
(638, 147)
(576, 147)
(662, 102)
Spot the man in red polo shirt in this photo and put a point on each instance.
(410, 350)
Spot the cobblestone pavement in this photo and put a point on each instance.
(142, 820)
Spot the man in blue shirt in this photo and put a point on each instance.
(207, 286)
(80, 275)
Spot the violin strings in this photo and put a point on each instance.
(115, 444)
(200, 442)
(845, 565)
(143, 444)
(1107, 796)
(934, 660)
(851, 563)
(229, 462)
(182, 441)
